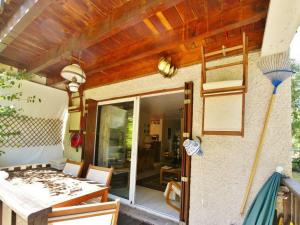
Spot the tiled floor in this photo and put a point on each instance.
(127, 220)
(155, 200)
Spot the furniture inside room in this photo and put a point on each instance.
(173, 192)
(168, 174)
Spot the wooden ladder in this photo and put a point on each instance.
(224, 51)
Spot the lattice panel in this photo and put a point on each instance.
(33, 131)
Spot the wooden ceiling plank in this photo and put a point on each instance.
(107, 28)
(27, 12)
(164, 20)
(151, 27)
(130, 72)
(10, 62)
(171, 40)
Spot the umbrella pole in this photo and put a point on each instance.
(257, 156)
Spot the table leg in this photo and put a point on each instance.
(104, 196)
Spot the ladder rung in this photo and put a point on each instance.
(224, 50)
(227, 89)
(224, 65)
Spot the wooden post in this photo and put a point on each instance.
(297, 210)
(186, 159)
(287, 209)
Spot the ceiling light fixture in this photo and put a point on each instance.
(75, 75)
(166, 68)
(73, 86)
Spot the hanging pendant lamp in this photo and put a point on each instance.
(73, 71)
(73, 86)
(75, 75)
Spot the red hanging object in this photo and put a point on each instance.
(76, 140)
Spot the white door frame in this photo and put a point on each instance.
(134, 151)
(134, 145)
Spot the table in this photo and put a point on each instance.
(54, 188)
(170, 170)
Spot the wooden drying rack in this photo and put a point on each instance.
(224, 51)
(235, 90)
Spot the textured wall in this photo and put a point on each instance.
(220, 177)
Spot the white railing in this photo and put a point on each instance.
(291, 203)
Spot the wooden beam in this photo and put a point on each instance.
(159, 44)
(27, 12)
(119, 20)
(10, 62)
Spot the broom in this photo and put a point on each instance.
(276, 68)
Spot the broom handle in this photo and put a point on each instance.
(257, 155)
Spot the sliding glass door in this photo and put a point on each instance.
(116, 145)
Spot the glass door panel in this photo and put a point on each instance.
(114, 144)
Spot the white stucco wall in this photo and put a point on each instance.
(220, 177)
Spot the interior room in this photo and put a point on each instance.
(159, 152)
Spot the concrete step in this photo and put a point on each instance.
(141, 217)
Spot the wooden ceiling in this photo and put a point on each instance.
(117, 40)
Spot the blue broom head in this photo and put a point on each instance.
(276, 68)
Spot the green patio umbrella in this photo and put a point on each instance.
(262, 210)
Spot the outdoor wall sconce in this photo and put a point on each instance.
(166, 68)
(75, 75)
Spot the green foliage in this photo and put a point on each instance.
(10, 85)
(296, 164)
(296, 106)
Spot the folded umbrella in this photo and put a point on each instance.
(262, 210)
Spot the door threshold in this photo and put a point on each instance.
(148, 215)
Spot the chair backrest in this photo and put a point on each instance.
(73, 168)
(99, 174)
(100, 213)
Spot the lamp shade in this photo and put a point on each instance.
(73, 73)
(163, 62)
(166, 68)
(73, 86)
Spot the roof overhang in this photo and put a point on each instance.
(282, 23)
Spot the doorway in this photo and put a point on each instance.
(113, 140)
(160, 153)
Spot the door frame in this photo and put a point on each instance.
(186, 159)
(134, 144)
(187, 89)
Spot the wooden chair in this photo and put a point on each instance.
(100, 213)
(173, 188)
(99, 174)
(73, 168)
